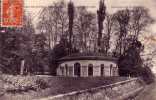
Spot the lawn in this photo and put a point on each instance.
(60, 85)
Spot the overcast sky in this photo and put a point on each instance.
(112, 6)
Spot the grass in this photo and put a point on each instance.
(60, 85)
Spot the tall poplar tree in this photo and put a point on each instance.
(101, 17)
(71, 18)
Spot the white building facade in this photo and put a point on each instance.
(86, 66)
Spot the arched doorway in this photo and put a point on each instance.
(77, 69)
(102, 69)
(90, 70)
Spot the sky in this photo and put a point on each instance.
(35, 6)
(112, 6)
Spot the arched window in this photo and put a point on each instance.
(102, 69)
(90, 70)
(77, 69)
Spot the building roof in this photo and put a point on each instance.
(88, 56)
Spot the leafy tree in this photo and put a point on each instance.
(16, 45)
(84, 29)
(27, 31)
(12, 50)
(59, 51)
(140, 19)
(108, 33)
(101, 17)
(122, 18)
(129, 25)
(53, 22)
(40, 54)
(71, 18)
(130, 63)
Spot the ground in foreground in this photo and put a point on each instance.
(60, 85)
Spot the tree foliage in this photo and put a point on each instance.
(53, 22)
(60, 50)
(40, 53)
(85, 32)
(130, 24)
(131, 64)
(140, 20)
(16, 44)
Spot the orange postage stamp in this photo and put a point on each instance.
(11, 13)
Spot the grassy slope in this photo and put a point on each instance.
(59, 85)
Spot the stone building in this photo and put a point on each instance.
(87, 64)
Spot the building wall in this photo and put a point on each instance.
(84, 71)
(108, 71)
(96, 70)
(86, 62)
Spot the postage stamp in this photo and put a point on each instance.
(11, 13)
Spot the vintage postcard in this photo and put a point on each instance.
(77, 49)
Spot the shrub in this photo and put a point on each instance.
(147, 75)
(18, 84)
(41, 84)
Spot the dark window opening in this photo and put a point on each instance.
(111, 66)
(102, 69)
(77, 69)
(90, 70)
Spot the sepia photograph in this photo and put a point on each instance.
(77, 49)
